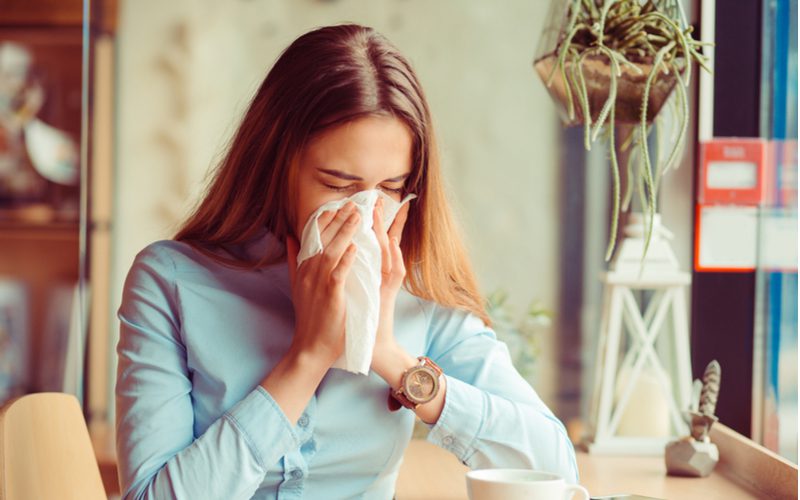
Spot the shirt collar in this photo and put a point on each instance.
(266, 243)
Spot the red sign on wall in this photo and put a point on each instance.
(746, 214)
(734, 172)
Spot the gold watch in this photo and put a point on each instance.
(419, 385)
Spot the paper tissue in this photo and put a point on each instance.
(362, 287)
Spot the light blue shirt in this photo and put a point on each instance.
(197, 338)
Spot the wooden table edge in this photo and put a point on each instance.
(744, 461)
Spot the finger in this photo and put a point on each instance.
(325, 218)
(331, 229)
(340, 272)
(398, 266)
(396, 231)
(333, 252)
(383, 240)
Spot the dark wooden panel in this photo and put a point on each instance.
(737, 68)
(723, 304)
(722, 329)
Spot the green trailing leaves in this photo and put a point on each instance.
(643, 37)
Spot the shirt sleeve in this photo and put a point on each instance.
(159, 455)
(492, 417)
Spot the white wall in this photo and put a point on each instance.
(188, 68)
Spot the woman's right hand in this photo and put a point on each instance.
(318, 287)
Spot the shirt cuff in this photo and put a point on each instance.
(264, 426)
(461, 419)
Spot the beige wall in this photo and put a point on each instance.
(188, 68)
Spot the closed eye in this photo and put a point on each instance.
(338, 188)
(353, 186)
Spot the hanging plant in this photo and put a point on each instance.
(610, 62)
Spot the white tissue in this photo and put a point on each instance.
(363, 284)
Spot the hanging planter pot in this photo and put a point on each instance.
(609, 62)
(597, 76)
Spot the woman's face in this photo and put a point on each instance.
(373, 152)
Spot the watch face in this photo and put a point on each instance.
(421, 384)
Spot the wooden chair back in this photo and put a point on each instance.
(45, 450)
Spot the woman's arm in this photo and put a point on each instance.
(159, 455)
(390, 361)
(319, 306)
(485, 412)
(491, 415)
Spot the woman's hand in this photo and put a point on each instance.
(393, 269)
(318, 287)
(388, 359)
(319, 307)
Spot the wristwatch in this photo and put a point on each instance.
(418, 385)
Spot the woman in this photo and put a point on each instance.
(225, 387)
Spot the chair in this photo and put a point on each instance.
(45, 450)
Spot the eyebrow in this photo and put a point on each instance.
(350, 177)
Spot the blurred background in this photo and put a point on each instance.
(112, 113)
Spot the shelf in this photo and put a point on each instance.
(38, 231)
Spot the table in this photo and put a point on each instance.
(606, 475)
(745, 471)
(441, 476)
(430, 473)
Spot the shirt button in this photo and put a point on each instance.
(303, 420)
(447, 440)
(297, 474)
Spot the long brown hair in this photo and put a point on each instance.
(326, 77)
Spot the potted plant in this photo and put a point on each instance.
(520, 333)
(613, 62)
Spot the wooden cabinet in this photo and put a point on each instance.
(55, 249)
(42, 258)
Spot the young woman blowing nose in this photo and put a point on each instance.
(225, 384)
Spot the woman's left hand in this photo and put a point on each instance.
(389, 359)
(393, 272)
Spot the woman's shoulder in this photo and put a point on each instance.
(168, 254)
(179, 264)
(184, 256)
(170, 260)
(160, 266)
(171, 255)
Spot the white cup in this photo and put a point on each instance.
(520, 484)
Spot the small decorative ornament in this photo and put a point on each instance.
(696, 455)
